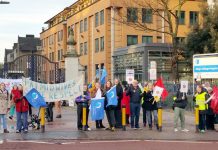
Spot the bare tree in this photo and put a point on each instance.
(167, 11)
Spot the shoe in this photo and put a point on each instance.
(25, 131)
(157, 126)
(138, 128)
(101, 126)
(176, 130)
(150, 127)
(6, 131)
(112, 129)
(10, 117)
(58, 116)
(109, 128)
(202, 131)
(17, 131)
(184, 130)
(89, 129)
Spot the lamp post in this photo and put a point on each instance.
(4, 2)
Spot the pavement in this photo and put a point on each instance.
(65, 130)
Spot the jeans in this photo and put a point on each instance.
(3, 120)
(135, 112)
(22, 120)
(110, 116)
(179, 113)
(149, 118)
(118, 117)
(202, 121)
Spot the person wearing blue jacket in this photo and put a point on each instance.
(81, 101)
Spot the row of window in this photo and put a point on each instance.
(60, 55)
(84, 23)
(133, 39)
(101, 44)
(51, 38)
(147, 16)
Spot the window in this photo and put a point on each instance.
(96, 45)
(60, 35)
(132, 14)
(68, 30)
(81, 26)
(85, 25)
(96, 19)
(146, 15)
(51, 40)
(102, 43)
(81, 48)
(59, 55)
(193, 17)
(159, 39)
(85, 48)
(147, 39)
(102, 17)
(181, 17)
(132, 40)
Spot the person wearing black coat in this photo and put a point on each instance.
(118, 114)
(210, 116)
(135, 103)
(150, 105)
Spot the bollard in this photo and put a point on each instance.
(124, 117)
(159, 112)
(84, 117)
(197, 118)
(42, 121)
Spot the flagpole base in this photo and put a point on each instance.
(42, 128)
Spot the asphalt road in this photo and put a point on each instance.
(109, 145)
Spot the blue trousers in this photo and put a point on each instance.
(135, 112)
(3, 120)
(22, 120)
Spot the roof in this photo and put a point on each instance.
(28, 43)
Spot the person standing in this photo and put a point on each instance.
(22, 108)
(179, 104)
(110, 110)
(150, 105)
(81, 101)
(98, 94)
(210, 116)
(126, 102)
(49, 110)
(200, 99)
(135, 103)
(118, 114)
(4, 106)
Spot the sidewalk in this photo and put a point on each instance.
(65, 129)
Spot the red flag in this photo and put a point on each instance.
(159, 83)
(214, 102)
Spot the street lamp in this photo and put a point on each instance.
(4, 2)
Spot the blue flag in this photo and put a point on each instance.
(97, 109)
(103, 76)
(112, 97)
(35, 98)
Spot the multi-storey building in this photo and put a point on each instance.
(98, 32)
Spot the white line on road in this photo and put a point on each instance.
(118, 141)
(68, 143)
(191, 142)
(38, 142)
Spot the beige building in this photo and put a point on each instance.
(98, 32)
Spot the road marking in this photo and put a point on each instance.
(68, 143)
(1, 141)
(38, 142)
(168, 141)
(118, 141)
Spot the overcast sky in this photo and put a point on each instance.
(22, 17)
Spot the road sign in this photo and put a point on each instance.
(130, 73)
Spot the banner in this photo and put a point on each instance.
(157, 91)
(130, 73)
(97, 109)
(9, 83)
(55, 92)
(184, 87)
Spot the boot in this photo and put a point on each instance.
(6, 131)
(157, 126)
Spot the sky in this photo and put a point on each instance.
(22, 17)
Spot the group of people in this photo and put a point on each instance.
(130, 96)
(15, 101)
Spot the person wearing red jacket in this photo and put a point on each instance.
(126, 102)
(22, 108)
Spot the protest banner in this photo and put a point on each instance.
(157, 91)
(130, 73)
(9, 83)
(55, 92)
(184, 87)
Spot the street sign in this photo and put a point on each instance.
(184, 87)
(130, 73)
(153, 74)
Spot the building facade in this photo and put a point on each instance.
(99, 33)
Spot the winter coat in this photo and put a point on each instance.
(180, 102)
(21, 103)
(126, 102)
(119, 91)
(83, 98)
(4, 102)
(135, 95)
(149, 102)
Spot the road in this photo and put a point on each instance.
(109, 145)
